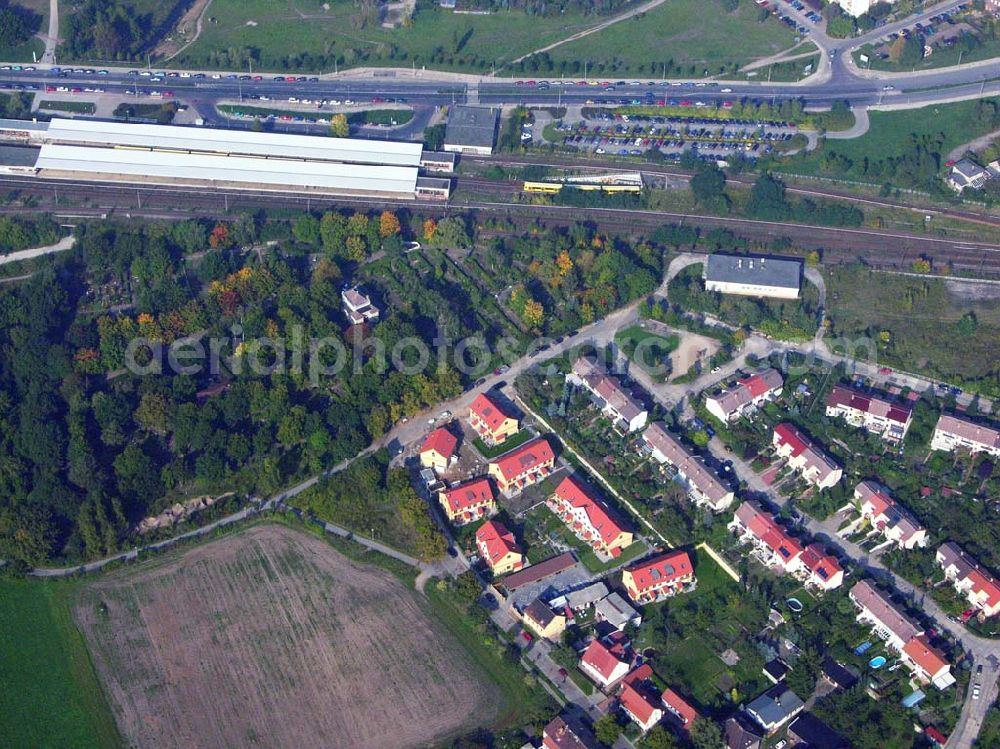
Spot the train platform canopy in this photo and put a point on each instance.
(234, 142)
(217, 169)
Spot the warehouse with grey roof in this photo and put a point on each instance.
(471, 130)
(753, 275)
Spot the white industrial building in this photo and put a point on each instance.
(233, 159)
(751, 275)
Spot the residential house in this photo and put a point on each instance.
(979, 587)
(616, 611)
(876, 609)
(544, 620)
(357, 307)
(745, 396)
(679, 711)
(523, 466)
(809, 731)
(753, 275)
(953, 433)
(639, 698)
(588, 517)
(703, 486)
(615, 401)
(605, 665)
(967, 174)
(776, 547)
(660, 577)
(585, 598)
(815, 466)
(468, 501)
(896, 524)
(838, 675)
(775, 707)
(492, 421)
(926, 662)
(561, 733)
(439, 450)
(740, 732)
(876, 415)
(824, 571)
(498, 548)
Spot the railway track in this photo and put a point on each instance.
(878, 249)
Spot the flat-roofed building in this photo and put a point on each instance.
(873, 413)
(746, 395)
(953, 433)
(704, 487)
(471, 129)
(753, 275)
(815, 466)
(358, 307)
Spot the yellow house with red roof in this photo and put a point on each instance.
(468, 501)
(659, 577)
(492, 422)
(589, 518)
(439, 449)
(523, 466)
(498, 548)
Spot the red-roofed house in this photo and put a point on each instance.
(772, 542)
(439, 449)
(887, 517)
(468, 501)
(877, 415)
(639, 698)
(588, 517)
(603, 664)
(659, 577)
(498, 548)
(976, 584)
(491, 421)
(926, 662)
(824, 570)
(745, 396)
(523, 466)
(815, 466)
(679, 711)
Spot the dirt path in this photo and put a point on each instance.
(973, 145)
(66, 243)
(197, 14)
(594, 29)
(52, 38)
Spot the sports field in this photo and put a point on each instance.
(272, 638)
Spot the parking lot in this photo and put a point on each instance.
(937, 32)
(626, 135)
(794, 14)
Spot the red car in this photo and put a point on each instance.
(884, 370)
(526, 635)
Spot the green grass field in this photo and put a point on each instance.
(76, 107)
(50, 695)
(676, 32)
(268, 26)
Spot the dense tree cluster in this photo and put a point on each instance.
(17, 24)
(19, 234)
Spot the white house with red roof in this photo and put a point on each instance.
(822, 569)
(615, 401)
(815, 466)
(498, 548)
(468, 501)
(659, 577)
(523, 466)
(926, 662)
(772, 543)
(605, 665)
(679, 711)
(439, 450)
(893, 522)
(953, 433)
(639, 699)
(979, 587)
(491, 420)
(588, 517)
(745, 396)
(877, 415)
(703, 486)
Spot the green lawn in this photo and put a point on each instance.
(678, 35)
(77, 107)
(434, 39)
(509, 444)
(647, 349)
(888, 135)
(50, 695)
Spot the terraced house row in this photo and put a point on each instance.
(953, 433)
(815, 466)
(896, 524)
(617, 403)
(875, 414)
(703, 486)
(978, 586)
(745, 396)
(589, 518)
